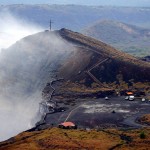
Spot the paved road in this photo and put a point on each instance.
(71, 113)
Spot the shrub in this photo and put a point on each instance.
(142, 135)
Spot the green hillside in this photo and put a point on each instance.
(128, 38)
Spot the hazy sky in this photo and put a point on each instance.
(82, 2)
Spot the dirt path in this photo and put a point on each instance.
(92, 76)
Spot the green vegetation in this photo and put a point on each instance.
(128, 38)
(142, 135)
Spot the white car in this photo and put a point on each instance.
(131, 98)
(106, 98)
(143, 99)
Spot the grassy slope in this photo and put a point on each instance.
(62, 139)
(102, 48)
(119, 61)
(54, 139)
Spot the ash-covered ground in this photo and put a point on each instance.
(99, 113)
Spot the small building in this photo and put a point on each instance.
(67, 125)
(129, 93)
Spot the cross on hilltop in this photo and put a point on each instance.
(50, 25)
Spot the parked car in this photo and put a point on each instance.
(131, 98)
(106, 98)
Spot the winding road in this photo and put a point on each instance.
(71, 113)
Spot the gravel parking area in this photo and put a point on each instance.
(101, 113)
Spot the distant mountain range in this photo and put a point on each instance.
(129, 38)
(76, 17)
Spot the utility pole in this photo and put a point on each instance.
(50, 25)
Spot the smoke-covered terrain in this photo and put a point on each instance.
(25, 68)
(15, 111)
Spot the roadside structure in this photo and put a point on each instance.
(67, 125)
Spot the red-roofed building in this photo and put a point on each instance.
(129, 93)
(67, 125)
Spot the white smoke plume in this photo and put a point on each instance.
(15, 113)
(25, 68)
(12, 29)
